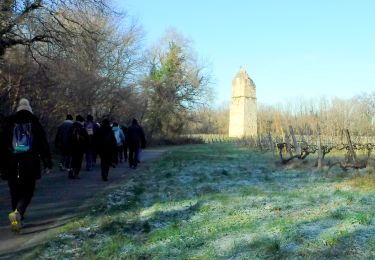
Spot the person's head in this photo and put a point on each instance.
(89, 118)
(69, 117)
(105, 123)
(115, 124)
(24, 104)
(134, 121)
(80, 118)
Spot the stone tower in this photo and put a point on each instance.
(243, 108)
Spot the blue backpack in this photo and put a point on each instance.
(22, 138)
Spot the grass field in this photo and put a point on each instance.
(221, 201)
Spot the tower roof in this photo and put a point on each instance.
(243, 74)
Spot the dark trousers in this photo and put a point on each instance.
(89, 159)
(105, 163)
(21, 193)
(125, 152)
(77, 159)
(120, 151)
(66, 158)
(133, 160)
(66, 161)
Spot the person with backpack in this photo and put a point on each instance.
(91, 129)
(125, 150)
(120, 140)
(135, 141)
(24, 145)
(79, 143)
(106, 147)
(62, 142)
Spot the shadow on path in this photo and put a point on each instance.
(57, 200)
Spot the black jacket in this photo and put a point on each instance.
(105, 143)
(24, 165)
(135, 137)
(79, 138)
(62, 140)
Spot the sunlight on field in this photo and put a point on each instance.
(222, 201)
(366, 183)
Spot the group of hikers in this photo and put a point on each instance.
(110, 142)
(24, 147)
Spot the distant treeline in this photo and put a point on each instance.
(330, 115)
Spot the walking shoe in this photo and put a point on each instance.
(15, 221)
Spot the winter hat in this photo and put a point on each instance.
(24, 105)
(80, 118)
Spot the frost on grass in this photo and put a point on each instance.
(205, 203)
(227, 243)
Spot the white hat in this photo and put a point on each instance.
(24, 105)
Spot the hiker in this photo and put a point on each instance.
(125, 146)
(120, 140)
(91, 129)
(106, 147)
(143, 143)
(135, 141)
(79, 142)
(62, 142)
(24, 145)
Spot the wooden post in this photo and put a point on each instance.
(287, 141)
(259, 141)
(319, 144)
(351, 149)
(296, 145)
(271, 144)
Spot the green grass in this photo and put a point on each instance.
(221, 201)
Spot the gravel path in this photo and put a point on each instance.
(57, 200)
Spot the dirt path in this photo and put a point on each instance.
(57, 200)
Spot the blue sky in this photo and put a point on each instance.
(292, 49)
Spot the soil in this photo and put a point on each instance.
(57, 200)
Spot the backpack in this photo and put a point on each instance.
(76, 134)
(118, 137)
(90, 128)
(22, 138)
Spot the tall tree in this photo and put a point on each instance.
(175, 85)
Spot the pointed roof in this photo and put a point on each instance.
(243, 74)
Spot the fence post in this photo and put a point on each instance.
(287, 143)
(271, 144)
(319, 144)
(295, 143)
(351, 149)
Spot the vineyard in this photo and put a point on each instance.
(350, 152)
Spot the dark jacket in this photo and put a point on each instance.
(63, 136)
(135, 137)
(24, 165)
(105, 143)
(92, 129)
(79, 139)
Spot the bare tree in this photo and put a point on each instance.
(93, 72)
(51, 22)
